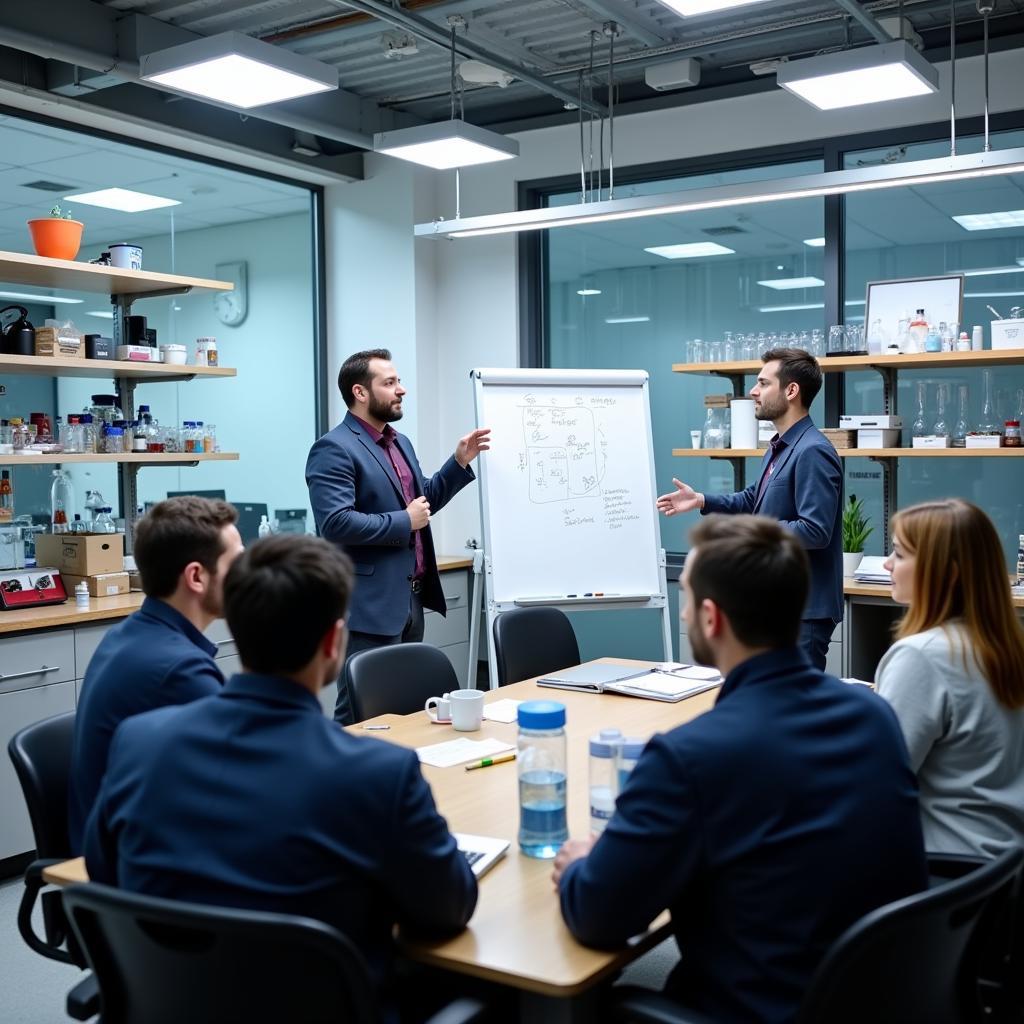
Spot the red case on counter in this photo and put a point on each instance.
(27, 588)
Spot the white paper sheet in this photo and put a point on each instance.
(453, 752)
(502, 710)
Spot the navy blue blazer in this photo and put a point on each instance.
(767, 826)
(154, 658)
(805, 493)
(253, 799)
(357, 502)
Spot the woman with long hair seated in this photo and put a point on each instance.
(955, 677)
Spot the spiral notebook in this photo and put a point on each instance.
(671, 682)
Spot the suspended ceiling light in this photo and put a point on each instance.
(785, 284)
(980, 272)
(238, 70)
(627, 319)
(690, 250)
(689, 8)
(851, 78)
(806, 186)
(446, 144)
(46, 300)
(991, 221)
(815, 243)
(588, 291)
(126, 200)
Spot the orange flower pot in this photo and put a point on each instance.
(59, 239)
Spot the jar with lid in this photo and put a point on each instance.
(89, 434)
(103, 523)
(71, 434)
(104, 409)
(1011, 434)
(541, 770)
(210, 438)
(603, 777)
(79, 525)
(113, 441)
(139, 436)
(188, 436)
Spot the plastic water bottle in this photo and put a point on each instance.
(264, 529)
(629, 753)
(82, 595)
(541, 765)
(603, 777)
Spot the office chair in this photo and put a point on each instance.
(910, 962)
(163, 962)
(530, 642)
(397, 680)
(41, 754)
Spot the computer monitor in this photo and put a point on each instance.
(213, 495)
(290, 520)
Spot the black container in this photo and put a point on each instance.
(135, 330)
(18, 337)
(150, 335)
(98, 347)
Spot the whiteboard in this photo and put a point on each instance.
(568, 488)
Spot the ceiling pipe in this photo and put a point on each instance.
(866, 20)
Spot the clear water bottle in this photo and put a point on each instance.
(264, 529)
(629, 753)
(541, 767)
(603, 777)
(103, 523)
(62, 501)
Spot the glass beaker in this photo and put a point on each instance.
(962, 427)
(836, 339)
(989, 422)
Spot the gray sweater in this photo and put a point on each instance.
(967, 749)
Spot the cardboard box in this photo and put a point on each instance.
(59, 343)
(135, 581)
(984, 440)
(138, 353)
(841, 438)
(81, 554)
(717, 401)
(930, 441)
(106, 584)
(1008, 333)
(878, 422)
(878, 438)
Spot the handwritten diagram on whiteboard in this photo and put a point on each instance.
(568, 488)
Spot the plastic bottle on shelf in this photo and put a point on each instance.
(82, 595)
(933, 339)
(264, 527)
(963, 343)
(103, 523)
(977, 339)
(918, 332)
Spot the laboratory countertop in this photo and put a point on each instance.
(17, 620)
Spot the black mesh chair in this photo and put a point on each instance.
(530, 642)
(163, 962)
(397, 680)
(914, 961)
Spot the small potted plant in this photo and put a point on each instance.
(56, 236)
(855, 532)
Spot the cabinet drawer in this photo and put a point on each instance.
(36, 659)
(219, 634)
(18, 709)
(87, 639)
(444, 630)
(455, 585)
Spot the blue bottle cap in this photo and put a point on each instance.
(541, 714)
(632, 747)
(605, 743)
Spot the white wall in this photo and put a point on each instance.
(472, 317)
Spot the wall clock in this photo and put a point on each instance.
(231, 307)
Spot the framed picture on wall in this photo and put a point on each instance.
(889, 303)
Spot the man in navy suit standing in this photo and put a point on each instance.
(800, 484)
(370, 497)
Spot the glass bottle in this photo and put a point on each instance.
(85, 419)
(919, 428)
(103, 523)
(62, 501)
(79, 525)
(989, 422)
(714, 436)
(6, 497)
(918, 332)
(940, 428)
(113, 440)
(541, 768)
(93, 503)
(962, 427)
(210, 438)
(946, 336)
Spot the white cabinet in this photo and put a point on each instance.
(451, 632)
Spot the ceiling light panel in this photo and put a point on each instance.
(690, 250)
(691, 8)
(627, 319)
(991, 221)
(852, 78)
(815, 243)
(785, 284)
(44, 300)
(237, 70)
(446, 144)
(124, 199)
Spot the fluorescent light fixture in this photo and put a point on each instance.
(805, 186)
(237, 70)
(46, 300)
(102, 314)
(690, 250)
(852, 78)
(690, 8)
(991, 271)
(1020, 260)
(790, 308)
(815, 243)
(588, 291)
(785, 284)
(446, 144)
(124, 199)
(991, 221)
(992, 295)
(627, 319)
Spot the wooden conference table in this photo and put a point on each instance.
(517, 937)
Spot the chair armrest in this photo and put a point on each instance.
(34, 882)
(83, 1002)
(643, 1006)
(461, 1011)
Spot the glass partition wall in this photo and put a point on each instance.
(215, 223)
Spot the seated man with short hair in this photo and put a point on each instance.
(253, 799)
(158, 656)
(766, 826)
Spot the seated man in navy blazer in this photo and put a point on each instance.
(767, 825)
(800, 484)
(253, 799)
(158, 656)
(370, 497)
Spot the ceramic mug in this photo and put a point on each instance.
(440, 707)
(126, 255)
(467, 709)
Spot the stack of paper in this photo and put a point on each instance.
(872, 570)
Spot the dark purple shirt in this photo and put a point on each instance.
(386, 438)
(777, 444)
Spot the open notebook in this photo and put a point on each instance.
(671, 682)
(482, 852)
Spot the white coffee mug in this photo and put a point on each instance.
(438, 709)
(126, 255)
(467, 709)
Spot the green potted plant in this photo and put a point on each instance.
(855, 532)
(57, 236)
